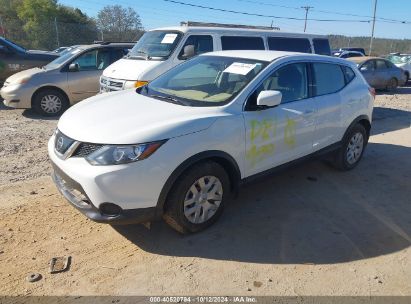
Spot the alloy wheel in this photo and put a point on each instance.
(51, 104)
(355, 148)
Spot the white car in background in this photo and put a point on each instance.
(402, 61)
(178, 147)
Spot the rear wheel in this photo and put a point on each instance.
(50, 102)
(352, 148)
(197, 199)
(392, 84)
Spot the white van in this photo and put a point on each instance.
(161, 49)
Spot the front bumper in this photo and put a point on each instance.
(75, 195)
(16, 96)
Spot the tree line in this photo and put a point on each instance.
(46, 24)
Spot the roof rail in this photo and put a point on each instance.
(109, 42)
(207, 24)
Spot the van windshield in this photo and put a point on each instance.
(204, 81)
(155, 45)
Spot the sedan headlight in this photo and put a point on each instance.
(116, 155)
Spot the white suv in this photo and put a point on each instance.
(179, 146)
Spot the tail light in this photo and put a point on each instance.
(372, 92)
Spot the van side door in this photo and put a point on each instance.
(289, 44)
(280, 134)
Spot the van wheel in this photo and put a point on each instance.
(352, 149)
(197, 198)
(50, 102)
(392, 84)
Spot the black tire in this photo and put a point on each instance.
(341, 157)
(174, 208)
(392, 84)
(50, 93)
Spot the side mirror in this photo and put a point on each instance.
(188, 52)
(269, 98)
(74, 67)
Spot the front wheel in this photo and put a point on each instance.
(352, 148)
(197, 199)
(50, 102)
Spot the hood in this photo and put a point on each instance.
(23, 74)
(129, 69)
(42, 55)
(125, 117)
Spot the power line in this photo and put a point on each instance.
(307, 8)
(380, 19)
(262, 15)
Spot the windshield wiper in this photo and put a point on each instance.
(168, 98)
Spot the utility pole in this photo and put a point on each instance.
(57, 32)
(373, 26)
(307, 8)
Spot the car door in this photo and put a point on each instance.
(283, 133)
(368, 71)
(328, 81)
(383, 73)
(84, 82)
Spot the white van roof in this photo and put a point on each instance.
(219, 28)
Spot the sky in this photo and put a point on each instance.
(159, 13)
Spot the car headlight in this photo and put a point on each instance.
(116, 155)
(21, 80)
(134, 84)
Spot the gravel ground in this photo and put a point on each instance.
(308, 231)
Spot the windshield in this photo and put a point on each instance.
(399, 59)
(66, 55)
(204, 81)
(155, 45)
(13, 45)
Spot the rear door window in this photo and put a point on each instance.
(301, 45)
(328, 78)
(202, 44)
(322, 46)
(242, 43)
(381, 65)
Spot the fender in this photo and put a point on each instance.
(225, 159)
(355, 121)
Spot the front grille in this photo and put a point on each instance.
(85, 149)
(62, 143)
(115, 84)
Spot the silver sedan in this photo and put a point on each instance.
(380, 73)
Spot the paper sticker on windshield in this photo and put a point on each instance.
(169, 38)
(240, 68)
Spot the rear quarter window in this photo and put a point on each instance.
(242, 43)
(322, 46)
(301, 45)
(328, 78)
(348, 74)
